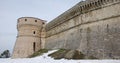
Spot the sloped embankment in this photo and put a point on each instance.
(69, 54)
(63, 53)
(38, 53)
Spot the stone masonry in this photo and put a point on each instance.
(91, 26)
(30, 36)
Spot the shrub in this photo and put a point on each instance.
(40, 52)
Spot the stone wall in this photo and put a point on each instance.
(30, 37)
(92, 27)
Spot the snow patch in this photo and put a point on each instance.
(45, 59)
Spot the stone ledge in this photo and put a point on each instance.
(82, 24)
(81, 8)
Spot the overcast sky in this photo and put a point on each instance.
(11, 10)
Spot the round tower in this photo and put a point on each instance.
(29, 36)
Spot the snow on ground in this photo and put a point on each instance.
(45, 59)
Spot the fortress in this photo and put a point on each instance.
(91, 26)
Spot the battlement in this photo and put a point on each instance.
(91, 26)
(81, 8)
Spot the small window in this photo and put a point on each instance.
(34, 46)
(35, 20)
(43, 23)
(34, 32)
(107, 26)
(25, 19)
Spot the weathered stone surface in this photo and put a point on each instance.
(94, 33)
(68, 54)
(92, 27)
(59, 54)
(30, 36)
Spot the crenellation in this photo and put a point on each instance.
(80, 8)
(99, 2)
(79, 24)
(91, 26)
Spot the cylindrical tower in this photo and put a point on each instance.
(29, 36)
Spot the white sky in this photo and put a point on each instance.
(11, 10)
